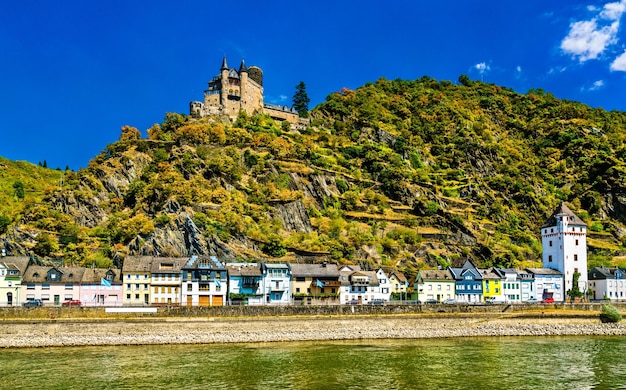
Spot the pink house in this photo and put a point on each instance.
(53, 285)
(101, 287)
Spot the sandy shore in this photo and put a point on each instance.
(14, 334)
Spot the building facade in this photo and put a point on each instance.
(11, 272)
(564, 241)
(204, 282)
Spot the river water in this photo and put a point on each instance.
(472, 363)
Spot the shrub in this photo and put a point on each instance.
(610, 314)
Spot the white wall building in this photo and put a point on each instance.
(564, 241)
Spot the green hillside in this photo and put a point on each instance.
(405, 174)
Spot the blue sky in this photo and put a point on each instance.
(73, 72)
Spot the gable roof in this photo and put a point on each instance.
(18, 263)
(435, 275)
(544, 271)
(398, 275)
(315, 270)
(95, 275)
(563, 210)
(38, 274)
(244, 269)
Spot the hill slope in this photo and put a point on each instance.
(404, 174)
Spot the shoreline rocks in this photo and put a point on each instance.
(22, 334)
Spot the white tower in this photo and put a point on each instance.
(564, 241)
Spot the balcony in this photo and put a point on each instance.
(326, 283)
(250, 285)
(277, 288)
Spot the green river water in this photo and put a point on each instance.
(473, 363)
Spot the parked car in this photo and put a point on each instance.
(431, 302)
(353, 302)
(377, 302)
(71, 303)
(548, 300)
(33, 303)
(449, 302)
(532, 300)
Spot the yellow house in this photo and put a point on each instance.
(492, 286)
(399, 282)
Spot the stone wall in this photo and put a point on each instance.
(289, 310)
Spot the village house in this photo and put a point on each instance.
(607, 283)
(434, 285)
(11, 272)
(549, 283)
(101, 287)
(204, 282)
(315, 283)
(166, 280)
(276, 283)
(468, 283)
(53, 285)
(137, 279)
(244, 283)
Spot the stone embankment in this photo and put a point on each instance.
(138, 331)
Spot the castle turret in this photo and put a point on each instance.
(224, 87)
(243, 76)
(564, 241)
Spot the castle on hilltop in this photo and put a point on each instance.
(232, 91)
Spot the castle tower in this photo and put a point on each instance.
(243, 77)
(564, 241)
(224, 86)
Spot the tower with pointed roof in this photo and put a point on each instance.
(564, 241)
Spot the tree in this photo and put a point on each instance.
(4, 223)
(575, 291)
(301, 100)
(19, 189)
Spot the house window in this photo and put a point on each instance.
(575, 257)
(137, 287)
(189, 287)
(45, 287)
(297, 289)
(576, 242)
(550, 258)
(128, 296)
(136, 296)
(550, 243)
(30, 286)
(69, 286)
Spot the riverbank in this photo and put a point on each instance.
(89, 332)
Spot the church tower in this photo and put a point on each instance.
(564, 241)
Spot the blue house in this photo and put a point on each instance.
(244, 283)
(468, 283)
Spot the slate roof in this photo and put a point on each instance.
(95, 275)
(315, 270)
(399, 275)
(245, 269)
(600, 273)
(544, 271)
(177, 264)
(435, 275)
(488, 273)
(135, 264)
(38, 274)
(19, 263)
(563, 209)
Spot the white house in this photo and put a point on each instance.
(276, 283)
(564, 241)
(549, 283)
(607, 283)
(435, 284)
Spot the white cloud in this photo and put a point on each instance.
(588, 39)
(619, 64)
(597, 85)
(518, 69)
(482, 68)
